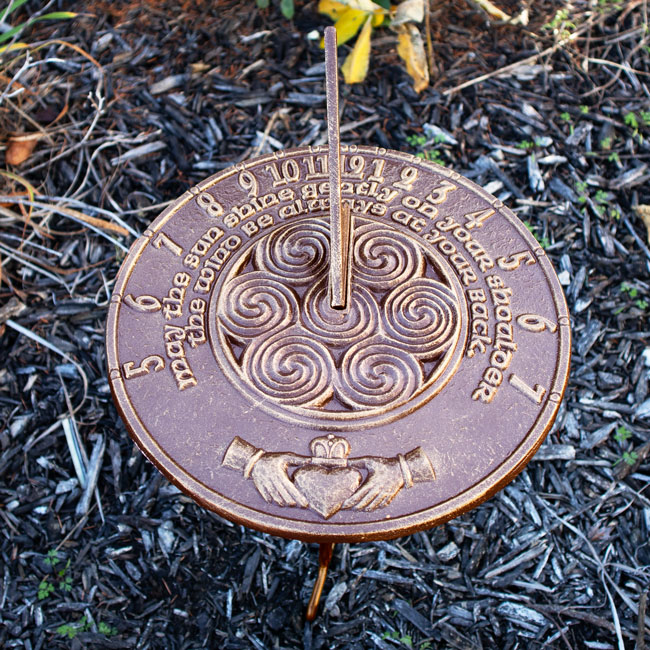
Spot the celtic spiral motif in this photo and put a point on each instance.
(297, 253)
(394, 341)
(290, 368)
(422, 314)
(385, 258)
(255, 304)
(376, 374)
(336, 326)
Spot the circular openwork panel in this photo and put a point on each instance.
(429, 393)
(280, 342)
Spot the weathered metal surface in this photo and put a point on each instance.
(241, 382)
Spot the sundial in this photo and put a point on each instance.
(340, 343)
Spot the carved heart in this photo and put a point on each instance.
(326, 488)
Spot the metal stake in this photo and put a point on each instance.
(340, 218)
(324, 557)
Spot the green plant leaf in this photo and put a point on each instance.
(262, 4)
(630, 457)
(287, 8)
(45, 588)
(56, 15)
(52, 555)
(10, 33)
(630, 120)
(12, 6)
(67, 630)
(106, 629)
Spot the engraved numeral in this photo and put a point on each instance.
(209, 205)
(142, 303)
(535, 323)
(248, 183)
(408, 176)
(476, 219)
(536, 393)
(289, 172)
(152, 362)
(513, 262)
(163, 240)
(377, 175)
(439, 194)
(355, 166)
(312, 163)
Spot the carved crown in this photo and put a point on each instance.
(330, 447)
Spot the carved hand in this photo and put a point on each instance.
(271, 478)
(384, 481)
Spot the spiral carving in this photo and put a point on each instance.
(340, 327)
(393, 341)
(290, 368)
(376, 374)
(255, 304)
(385, 258)
(297, 253)
(422, 315)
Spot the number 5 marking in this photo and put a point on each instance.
(153, 362)
(513, 261)
(536, 394)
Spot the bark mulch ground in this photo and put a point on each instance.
(130, 104)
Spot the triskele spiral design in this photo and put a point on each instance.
(422, 315)
(376, 374)
(385, 258)
(255, 304)
(395, 339)
(298, 253)
(290, 368)
(335, 326)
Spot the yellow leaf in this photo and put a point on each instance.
(364, 5)
(13, 46)
(493, 10)
(408, 11)
(348, 25)
(378, 18)
(355, 67)
(644, 212)
(331, 8)
(411, 48)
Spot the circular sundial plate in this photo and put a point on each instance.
(247, 390)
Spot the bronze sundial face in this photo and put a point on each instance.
(244, 385)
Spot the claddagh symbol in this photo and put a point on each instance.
(328, 481)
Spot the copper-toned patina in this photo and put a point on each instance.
(338, 375)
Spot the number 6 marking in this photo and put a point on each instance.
(153, 362)
(536, 394)
(142, 303)
(535, 323)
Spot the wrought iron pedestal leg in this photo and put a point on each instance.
(324, 557)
